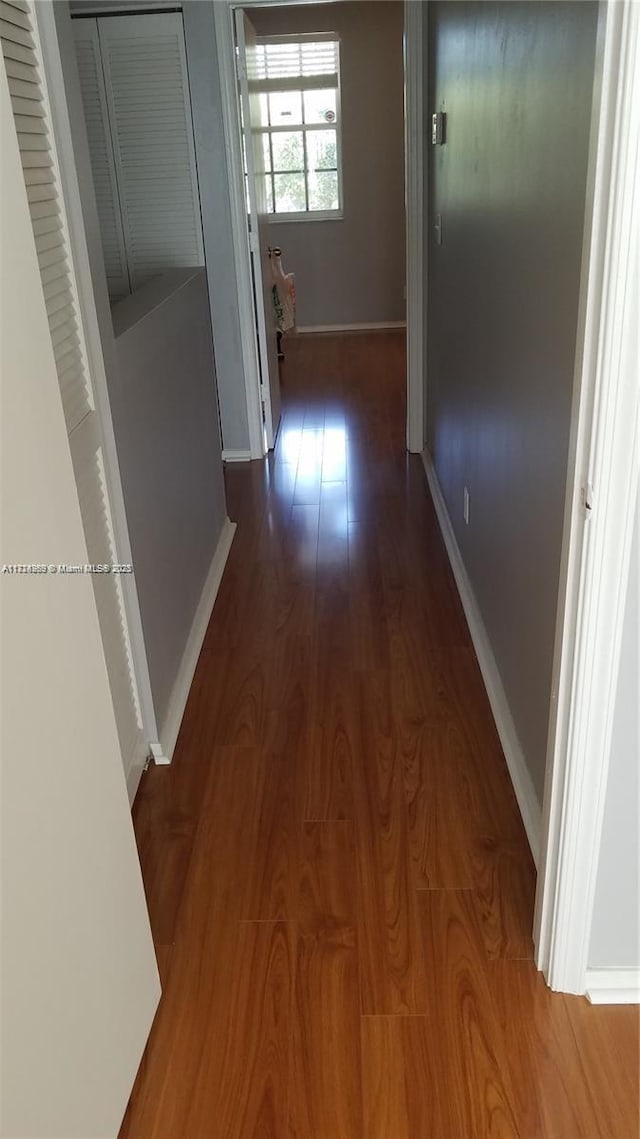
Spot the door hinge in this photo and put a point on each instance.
(438, 128)
(586, 498)
(241, 70)
(437, 229)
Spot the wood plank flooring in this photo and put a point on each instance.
(340, 887)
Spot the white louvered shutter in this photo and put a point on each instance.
(23, 64)
(147, 89)
(102, 158)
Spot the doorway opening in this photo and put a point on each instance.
(317, 159)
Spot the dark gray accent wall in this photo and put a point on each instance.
(516, 82)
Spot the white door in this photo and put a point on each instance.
(24, 68)
(259, 237)
(79, 979)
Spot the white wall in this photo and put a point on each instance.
(163, 402)
(79, 981)
(615, 933)
(353, 270)
(515, 80)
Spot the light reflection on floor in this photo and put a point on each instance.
(307, 474)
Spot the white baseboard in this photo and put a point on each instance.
(613, 986)
(177, 704)
(303, 330)
(157, 755)
(520, 777)
(153, 751)
(136, 768)
(236, 456)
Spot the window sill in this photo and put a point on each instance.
(315, 215)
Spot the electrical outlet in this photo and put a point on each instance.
(465, 505)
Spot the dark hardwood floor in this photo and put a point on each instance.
(340, 887)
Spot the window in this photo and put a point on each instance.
(297, 80)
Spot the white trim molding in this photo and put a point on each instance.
(363, 326)
(613, 986)
(157, 755)
(223, 14)
(415, 78)
(599, 519)
(516, 764)
(178, 701)
(231, 456)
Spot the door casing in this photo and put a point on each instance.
(259, 237)
(602, 484)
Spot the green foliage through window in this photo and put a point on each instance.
(300, 127)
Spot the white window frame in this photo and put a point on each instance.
(304, 83)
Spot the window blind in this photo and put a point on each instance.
(275, 61)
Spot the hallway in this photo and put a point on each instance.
(340, 887)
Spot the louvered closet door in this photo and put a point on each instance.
(24, 72)
(102, 158)
(147, 89)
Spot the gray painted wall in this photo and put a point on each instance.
(163, 403)
(615, 933)
(353, 270)
(515, 80)
(206, 110)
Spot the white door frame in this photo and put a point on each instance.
(601, 490)
(414, 84)
(223, 14)
(415, 89)
(259, 238)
